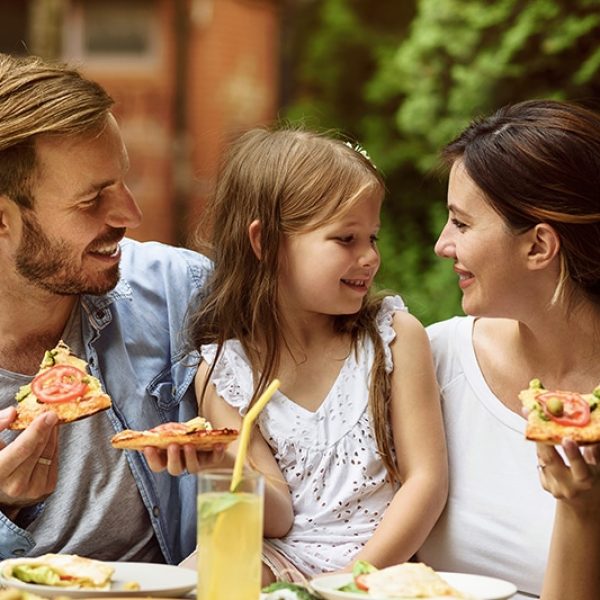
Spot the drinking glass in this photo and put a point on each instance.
(230, 529)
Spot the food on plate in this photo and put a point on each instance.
(281, 590)
(554, 415)
(59, 570)
(198, 432)
(62, 385)
(15, 594)
(407, 581)
(132, 586)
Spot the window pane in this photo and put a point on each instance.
(117, 27)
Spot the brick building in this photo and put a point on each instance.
(186, 75)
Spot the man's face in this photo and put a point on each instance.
(82, 207)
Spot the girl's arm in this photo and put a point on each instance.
(572, 570)
(278, 511)
(420, 445)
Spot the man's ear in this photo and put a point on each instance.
(7, 211)
(544, 246)
(254, 233)
(11, 217)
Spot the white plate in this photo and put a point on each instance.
(166, 581)
(475, 586)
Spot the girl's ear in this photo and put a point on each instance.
(254, 233)
(544, 246)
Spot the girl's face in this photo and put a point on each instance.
(328, 270)
(489, 259)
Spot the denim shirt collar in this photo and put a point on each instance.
(97, 307)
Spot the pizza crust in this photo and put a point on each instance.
(550, 432)
(30, 408)
(205, 439)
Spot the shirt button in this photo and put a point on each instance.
(19, 551)
(156, 511)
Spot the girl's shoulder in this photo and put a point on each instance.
(394, 320)
(232, 374)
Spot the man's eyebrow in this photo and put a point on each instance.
(95, 188)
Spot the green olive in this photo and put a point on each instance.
(555, 406)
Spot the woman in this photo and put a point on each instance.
(524, 234)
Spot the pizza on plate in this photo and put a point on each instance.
(58, 570)
(554, 415)
(407, 580)
(198, 432)
(62, 385)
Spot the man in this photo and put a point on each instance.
(67, 273)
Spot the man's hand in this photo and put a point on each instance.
(29, 464)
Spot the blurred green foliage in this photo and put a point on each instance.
(404, 77)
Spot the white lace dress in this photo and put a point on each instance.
(328, 457)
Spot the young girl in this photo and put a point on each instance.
(352, 444)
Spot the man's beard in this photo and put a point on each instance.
(49, 263)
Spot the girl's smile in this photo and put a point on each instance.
(328, 270)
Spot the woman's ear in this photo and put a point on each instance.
(254, 233)
(545, 246)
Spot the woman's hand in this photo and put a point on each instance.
(178, 459)
(576, 481)
(576, 533)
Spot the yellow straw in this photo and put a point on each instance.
(245, 434)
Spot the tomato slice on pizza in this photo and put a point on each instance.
(554, 415)
(198, 432)
(62, 385)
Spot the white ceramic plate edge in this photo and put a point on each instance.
(479, 587)
(175, 582)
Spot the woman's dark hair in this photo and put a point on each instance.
(539, 161)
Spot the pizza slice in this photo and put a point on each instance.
(59, 570)
(198, 432)
(554, 415)
(62, 385)
(407, 580)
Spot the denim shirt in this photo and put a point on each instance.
(134, 338)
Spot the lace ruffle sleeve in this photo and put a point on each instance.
(389, 306)
(232, 376)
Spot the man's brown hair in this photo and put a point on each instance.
(38, 98)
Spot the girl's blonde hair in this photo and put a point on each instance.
(291, 181)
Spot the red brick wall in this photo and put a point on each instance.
(233, 83)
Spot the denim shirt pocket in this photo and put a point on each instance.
(171, 385)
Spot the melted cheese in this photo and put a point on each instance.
(408, 580)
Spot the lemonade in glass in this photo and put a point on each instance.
(230, 529)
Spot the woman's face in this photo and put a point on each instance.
(489, 259)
